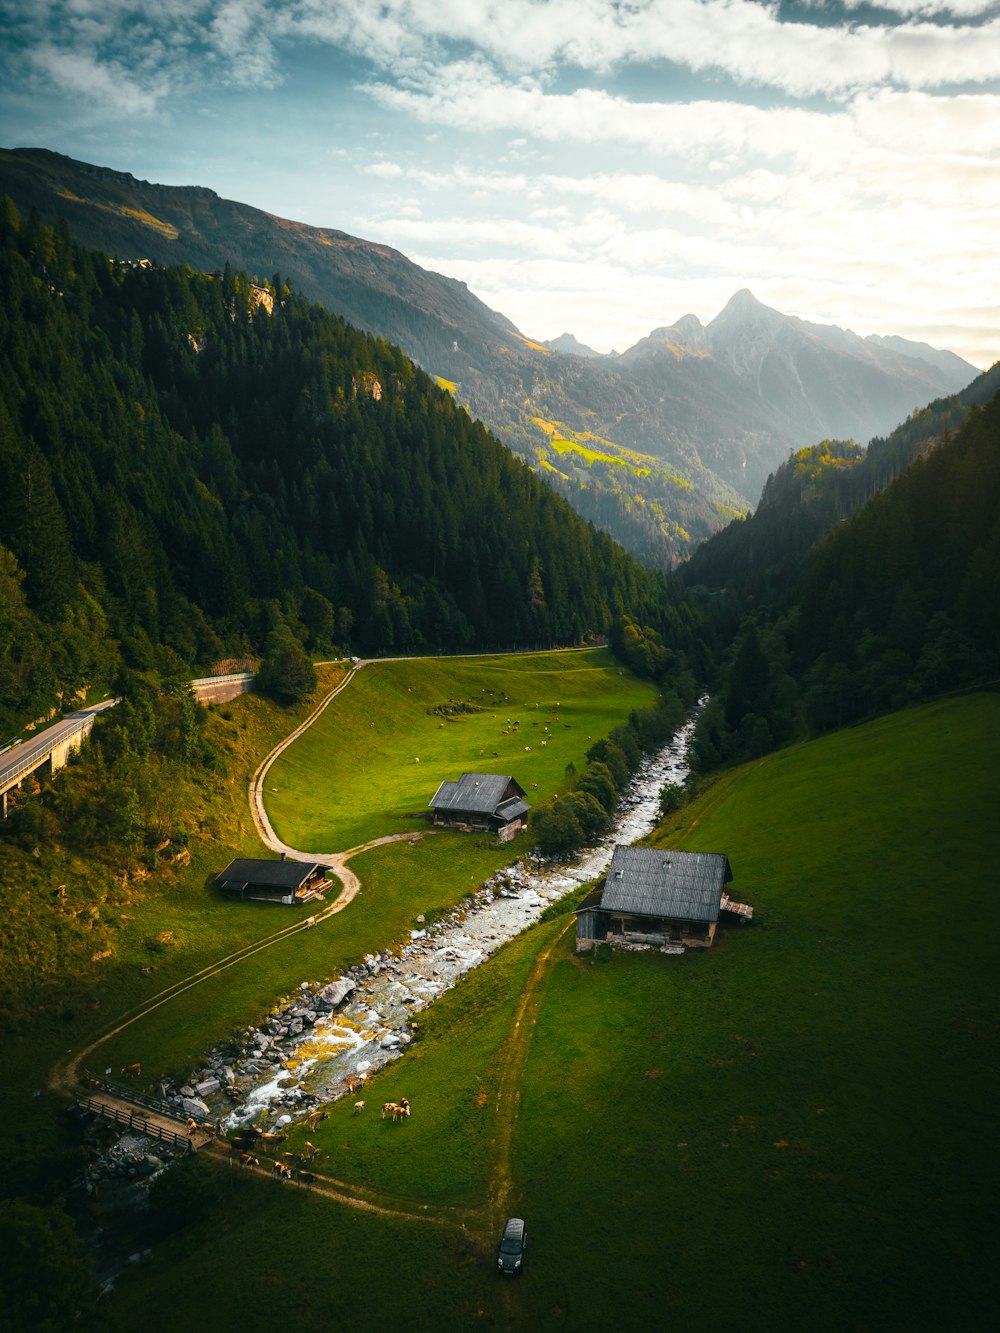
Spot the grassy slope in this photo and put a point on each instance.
(794, 1122)
(786, 1132)
(355, 776)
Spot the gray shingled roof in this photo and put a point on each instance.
(650, 881)
(479, 793)
(274, 874)
(512, 809)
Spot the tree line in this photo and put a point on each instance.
(199, 466)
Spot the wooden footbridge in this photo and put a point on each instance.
(142, 1113)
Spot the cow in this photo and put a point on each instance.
(306, 1178)
(388, 1108)
(281, 1171)
(314, 1117)
(358, 1107)
(132, 1071)
(248, 1160)
(272, 1140)
(311, 1151)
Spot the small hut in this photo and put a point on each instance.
(288, 882)
(493, 802)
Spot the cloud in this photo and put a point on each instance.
(745, 39)
(106, 82)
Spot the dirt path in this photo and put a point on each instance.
(508, 1099)
(485, 1221)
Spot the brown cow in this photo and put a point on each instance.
(311, 1151)
(388, 1108)
(306, 1178)
(272, 1140)
(281, 1171)
(248, 1159)
(314, 1117)
(132, 1071)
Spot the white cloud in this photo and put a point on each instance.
(105, 82)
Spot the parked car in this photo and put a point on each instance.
(510, 1251)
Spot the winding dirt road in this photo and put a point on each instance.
(483, 1221)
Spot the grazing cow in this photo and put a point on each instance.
(388, 1108)
(132, 1071)
(496, 754)
(306, 1178)
(289, 1158)
(358, 1107)
(281, 1171)
(400, 1113)
(311, 1151)
(248, 1159)
(310, 921)
(272, 1140)
(314, 1117)
(361, 1080)
(534, 786)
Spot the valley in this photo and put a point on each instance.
(718, 407)
(781, 1071)
(202, 468)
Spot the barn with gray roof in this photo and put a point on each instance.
(659, 897)
(289, 882)
(487, 801)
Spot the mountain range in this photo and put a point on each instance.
(660, 445)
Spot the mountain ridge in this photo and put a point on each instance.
(712, 408)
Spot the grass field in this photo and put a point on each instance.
(790, 1131)
(373, 760)
(62, 1000)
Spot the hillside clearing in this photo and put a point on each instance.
(795, 1118)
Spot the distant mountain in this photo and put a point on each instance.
(660, 446)
(827, 382)
(569, 346)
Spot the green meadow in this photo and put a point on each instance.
(789, 1131)
(373, 760)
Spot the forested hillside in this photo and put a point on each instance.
(756, 559)
(195, 467)
(896, 604)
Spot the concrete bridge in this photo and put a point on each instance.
(219, 689)
(49, 750)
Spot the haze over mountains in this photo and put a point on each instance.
(659, 445)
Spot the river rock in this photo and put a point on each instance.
(206, 1086)
(336, 991)
(195, 1107)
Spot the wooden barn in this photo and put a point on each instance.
(667, 899)
(492, 802)
(289, 882)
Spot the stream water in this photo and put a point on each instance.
(308, 1049)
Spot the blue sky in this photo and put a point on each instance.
(587, 166)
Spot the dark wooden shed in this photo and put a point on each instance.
(656, 897)
(288, 882)
(489, 801)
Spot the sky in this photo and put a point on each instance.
(598, 167)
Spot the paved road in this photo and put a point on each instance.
(29, 754)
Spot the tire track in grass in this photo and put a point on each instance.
(508, 1096)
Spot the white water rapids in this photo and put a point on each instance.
(304, 1053)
